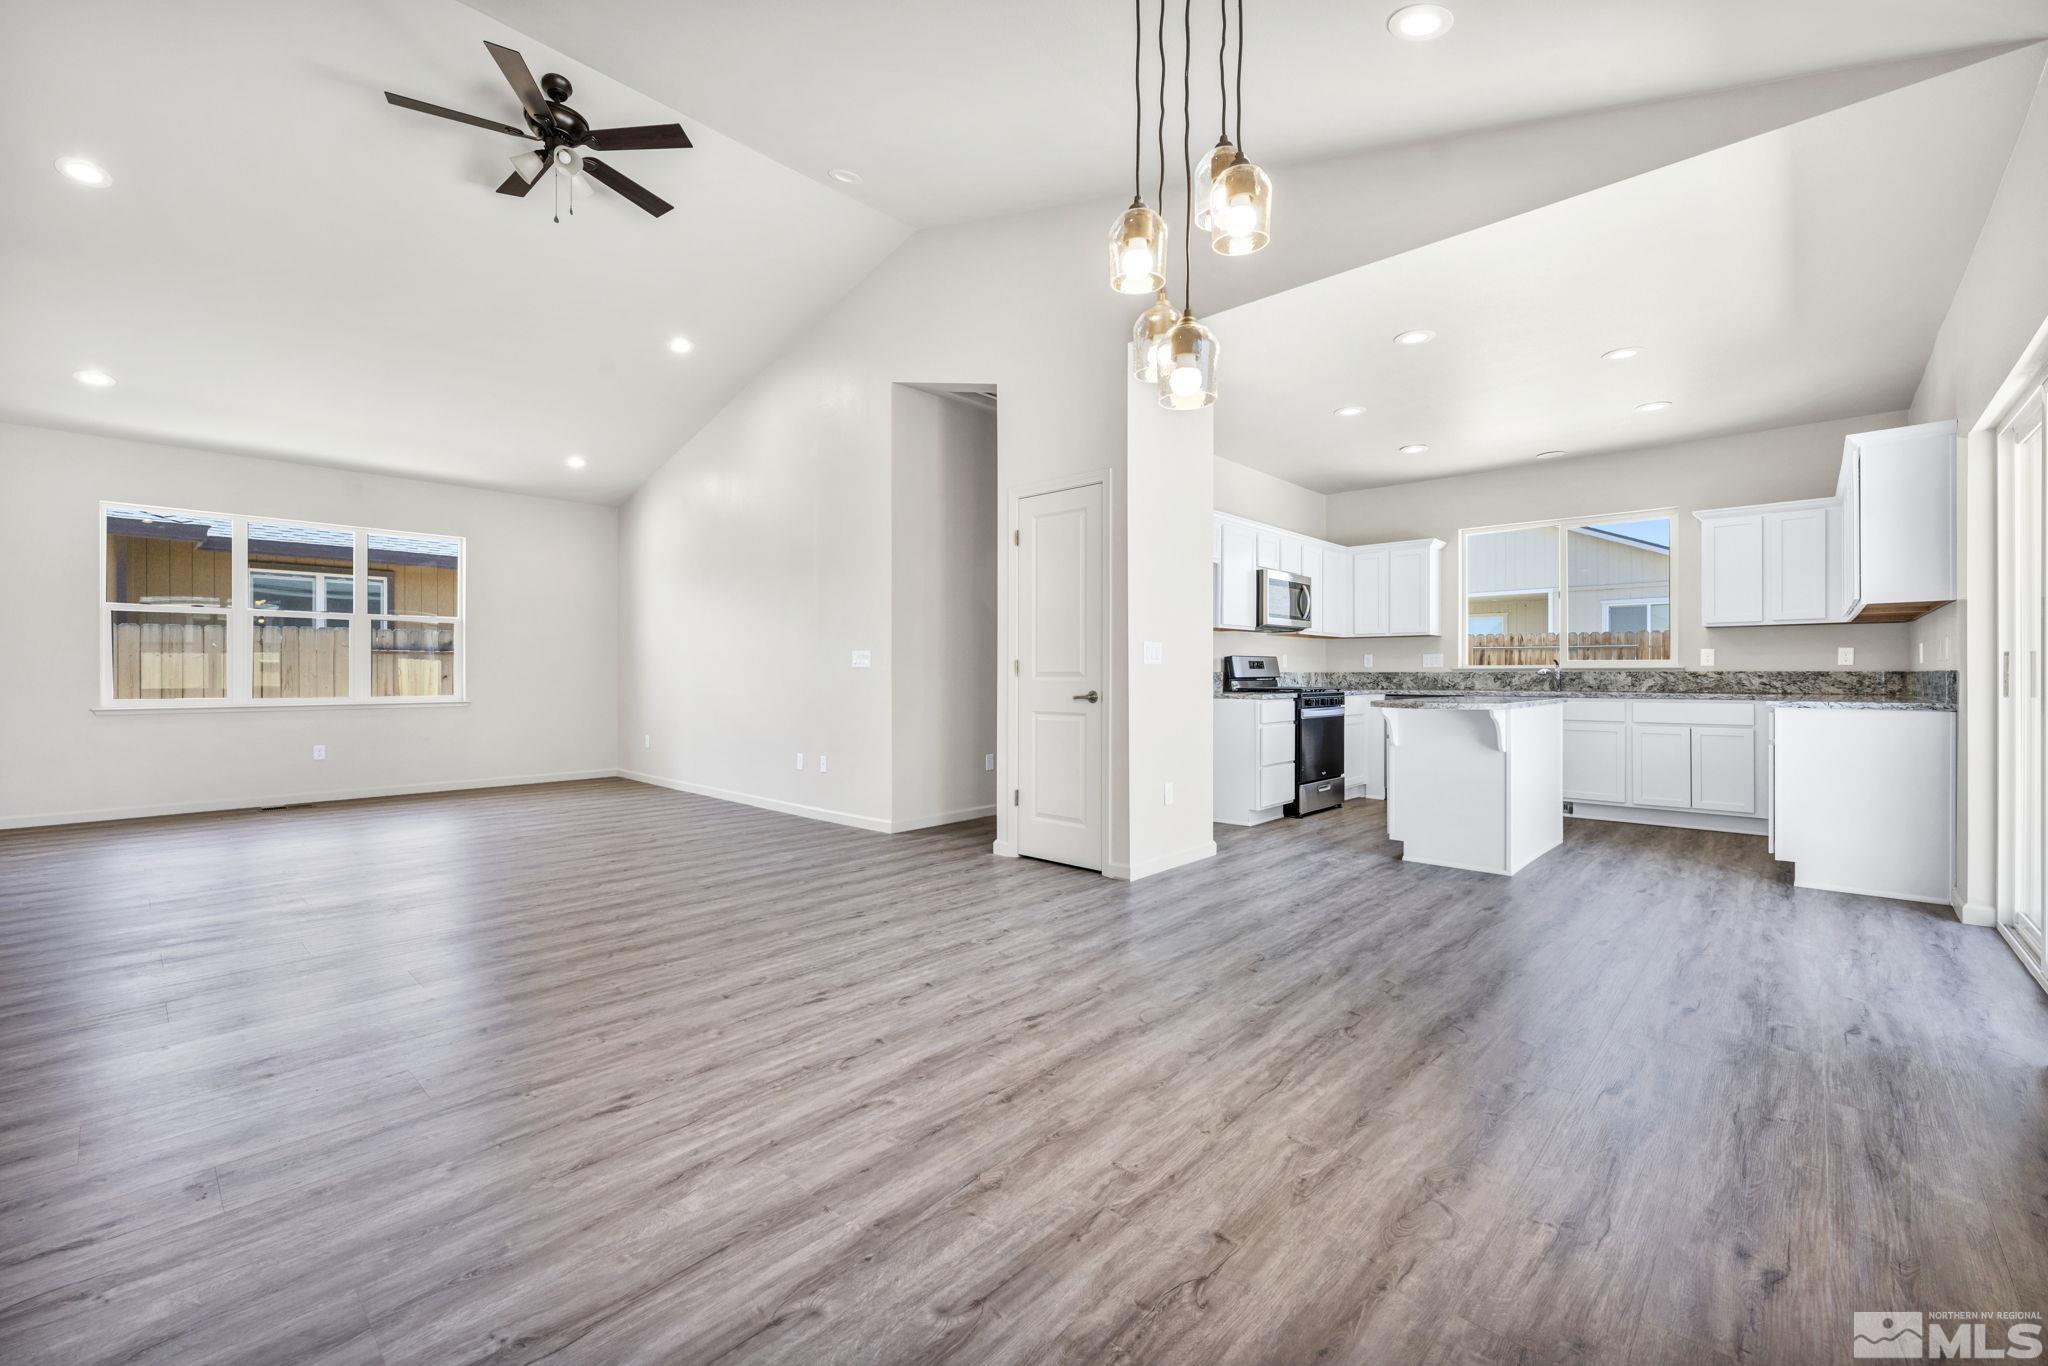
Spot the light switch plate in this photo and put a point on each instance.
(1845, 655)
(647, 742)
(1432, 661)
(988, 763)
(1706, 659)
(799, 762)
(1169, 794)
(1921, 655)
(863, 659)
(1155, 652)
(822, 764)
(319, 751)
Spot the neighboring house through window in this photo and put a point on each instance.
(1574, 591)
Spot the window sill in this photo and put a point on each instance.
(281, 705)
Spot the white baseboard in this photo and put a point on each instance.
(878, 824)
(1867, 891)
(1676, 820)
(1972, 912)
(965, 813)
(1131, 872)
(1003, 849)
(355, 794)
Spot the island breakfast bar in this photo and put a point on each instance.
(1475, 782)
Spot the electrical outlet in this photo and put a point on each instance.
(1920, 655)
(823, 763)
(863, 659)
(1365, 662)
(1283, 664)
(1845, 656)
(1169, 794)
(1706, 659)
(799, 762)
(988, 763)
(1155, 652)
(1432, 661)
(647, 742)
(319, 751)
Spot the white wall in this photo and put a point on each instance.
(541, 633)
(945, 523)
(1789, 462)
(2000, 310)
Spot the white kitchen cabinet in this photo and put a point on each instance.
(1863, 800)
(1365, 748)
(1253, 758)
(1291, 548)
(1731, 569)
(1412, 599)
(1660, 765)
(1724, 769)
(1238, 582)
(1369, 590)
(1268, 546)
(1333, 593)
(1596, 761)
(1796, 564)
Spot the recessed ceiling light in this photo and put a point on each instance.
(1413, 450)
(575, 462)
(93, 379)
(1350, 410)
(1419, 23)
(1414, 338)
(1548, 455)
(844, 176)
(85, 172)
(1655, 405)
(1623, 353)
(682, 346)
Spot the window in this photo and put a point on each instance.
(204, 608)
(1582, 591)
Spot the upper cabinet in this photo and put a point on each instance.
(1369, 590)
(1882, 549)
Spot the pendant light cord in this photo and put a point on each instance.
(1138, 99)
(1162, 107)
(1187, 164)
(1240, 77)
(1222, 84)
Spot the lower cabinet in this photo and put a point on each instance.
(1663, 754)
(1660, 765)
(1254, 758)
(1724, 769)
(1365, 749)
(1596, 762)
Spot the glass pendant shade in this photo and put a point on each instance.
(1147, 335)
(1213, 165)
(1137, 251)
(1187, 366)
(1240, 210)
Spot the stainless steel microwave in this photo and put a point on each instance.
(1283, 601)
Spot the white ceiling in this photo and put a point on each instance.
(961, 109)
(1795, 276)
(286, 264)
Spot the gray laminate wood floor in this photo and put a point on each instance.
(603, 1073)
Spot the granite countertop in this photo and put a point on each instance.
(1472, 702)
(1811, 701)
(1858, 703)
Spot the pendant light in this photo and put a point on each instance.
(1158, 320)
(1224, 152)
(1187, 358)
(1137, 244)
(1241, 199)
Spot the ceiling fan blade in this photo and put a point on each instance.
(517, 185)
(423, 107)
(639, 194)
(530, 99)
(639, 139)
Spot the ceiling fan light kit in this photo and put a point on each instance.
(564, 136)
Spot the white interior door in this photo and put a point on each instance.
(2022, 722)
(1061, 677)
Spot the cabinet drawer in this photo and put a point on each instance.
(1595, 709)
(1273, 709)
(1694, 713)
(1276, 744)
(1276, 785)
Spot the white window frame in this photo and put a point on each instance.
(1607, 606)
(239, 618)
(1560, 627)
(321, 579)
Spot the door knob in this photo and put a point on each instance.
(1090, 696)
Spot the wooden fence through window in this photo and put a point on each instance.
(175, 657)
(1499, 651)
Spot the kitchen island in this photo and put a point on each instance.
(1475, 781)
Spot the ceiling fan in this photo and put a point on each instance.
(562, 133)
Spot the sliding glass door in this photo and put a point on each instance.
(2022, 722)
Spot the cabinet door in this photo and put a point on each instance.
(1732, 571)
(1849, 548)
(1724, 769)
(1596, 762)
(1374, 724)
(1796, 565)
(1660, 765)
(1411, 590)
(1291, 548)
(1369, 591)
(1269, 548)
(1238, 595)
(1312, 570)
(1276, 785)
(1333, 592)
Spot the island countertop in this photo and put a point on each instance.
(1471, 702)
